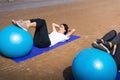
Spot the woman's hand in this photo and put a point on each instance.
(54, 25)
(70, 32)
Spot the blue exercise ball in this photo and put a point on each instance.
(15, 42)
(94, 64)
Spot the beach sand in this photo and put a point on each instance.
(91, 19)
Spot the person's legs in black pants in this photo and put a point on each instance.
(107, 37)
(41, 38)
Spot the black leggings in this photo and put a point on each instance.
(41, 38)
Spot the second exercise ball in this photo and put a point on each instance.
(94, 64)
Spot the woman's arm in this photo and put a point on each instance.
(54, 25)
(70, 32)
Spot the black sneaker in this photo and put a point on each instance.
(107, 37)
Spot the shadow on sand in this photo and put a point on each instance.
(67, 73)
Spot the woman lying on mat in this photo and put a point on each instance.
(41, 37)
(110, 43)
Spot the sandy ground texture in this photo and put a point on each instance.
(91, 19)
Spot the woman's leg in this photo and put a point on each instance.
(111, 46)
(24, 24)
(99, 43)
(117, 56)
(107, 37)
(30, 24)
(41, 38)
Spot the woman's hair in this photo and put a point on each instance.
(66, 28)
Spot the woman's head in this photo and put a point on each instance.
(64, 28)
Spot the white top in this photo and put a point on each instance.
(56, 37)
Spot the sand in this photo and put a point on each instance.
(91, 19)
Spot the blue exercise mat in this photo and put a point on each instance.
(118, 76)
(37, 51)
